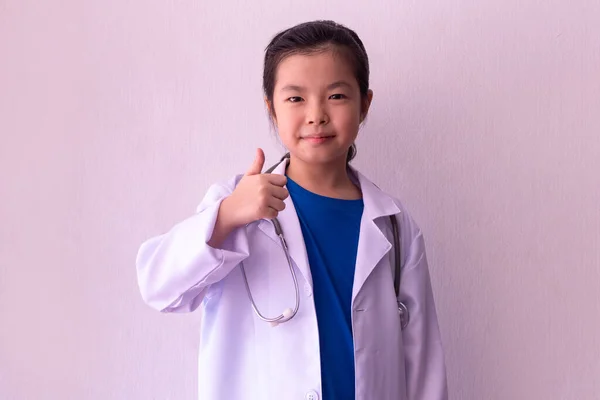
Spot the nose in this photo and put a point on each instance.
(317, 114)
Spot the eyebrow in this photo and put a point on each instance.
(292, 88)
(338, 84)
(334, 85)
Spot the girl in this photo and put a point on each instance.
(340, 336)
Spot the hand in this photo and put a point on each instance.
(257, 195)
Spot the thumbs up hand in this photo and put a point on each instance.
(257, 195)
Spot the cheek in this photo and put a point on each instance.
(288, 120)
(348, 117)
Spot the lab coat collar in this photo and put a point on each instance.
(377, 203)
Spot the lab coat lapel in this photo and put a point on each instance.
(373, 245)
(290, 225)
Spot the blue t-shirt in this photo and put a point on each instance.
(331, 229)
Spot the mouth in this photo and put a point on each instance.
(318, 139)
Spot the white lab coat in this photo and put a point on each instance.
(244, 358)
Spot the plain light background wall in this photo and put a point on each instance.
(115, 116)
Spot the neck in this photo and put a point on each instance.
(327, 179)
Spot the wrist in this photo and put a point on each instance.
(227, 218)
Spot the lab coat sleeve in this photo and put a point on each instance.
(423, 352)
(175, 269)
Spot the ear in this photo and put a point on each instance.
(271, 111)
(365, 105)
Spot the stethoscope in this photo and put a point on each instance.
(289, 313)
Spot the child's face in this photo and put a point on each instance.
(318, 106)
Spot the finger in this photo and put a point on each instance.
(279, 192)
(276, 204)
(270, 213)
(257, 164)
(276, 179)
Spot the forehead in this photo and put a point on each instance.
(319, 68)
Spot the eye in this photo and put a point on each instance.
(294, 99)
(338, 96)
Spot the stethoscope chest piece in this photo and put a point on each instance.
(404, 314)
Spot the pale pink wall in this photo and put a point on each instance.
(115, 116)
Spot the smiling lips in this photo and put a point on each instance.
(317, 139)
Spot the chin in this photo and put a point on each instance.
(322, 157)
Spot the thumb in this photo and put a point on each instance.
(257, 164)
